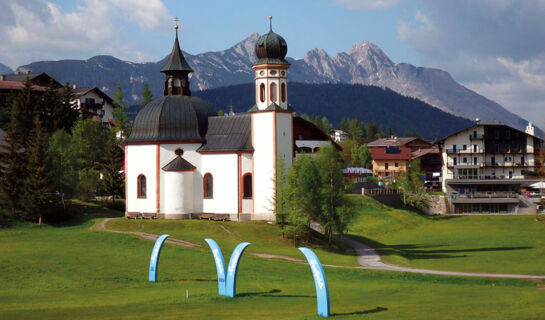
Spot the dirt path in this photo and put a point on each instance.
(368, 258)
(101, 225)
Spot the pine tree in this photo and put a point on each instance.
(281, 196)
(112, 181)
(57, 109)
(121, 118)
(27, 105)
(335, 212)
(38, 196)
(303, 200)
(12, 164)
(63, 164)
(147, 96)
(88, 137)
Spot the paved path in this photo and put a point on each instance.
(368, 258)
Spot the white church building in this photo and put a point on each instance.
(182, 159)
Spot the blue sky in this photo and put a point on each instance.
(493, 47)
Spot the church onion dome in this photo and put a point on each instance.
(172, 118)
(176, 60)
(271, 48)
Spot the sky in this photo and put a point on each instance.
(494, 47)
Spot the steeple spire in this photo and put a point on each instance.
(270, 23)
(176, 70)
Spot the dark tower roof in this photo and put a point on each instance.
(176, 61)
(271, 48)
(172, 118)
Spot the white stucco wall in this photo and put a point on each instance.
(263, 142)
(224, 170)
(141, 159)
(284, 138)
(192, 156)
(178, 197)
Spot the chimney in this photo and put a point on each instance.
(74, 86)
(530, 129)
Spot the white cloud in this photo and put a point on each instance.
(148, 14)
(37, 29)
(367, 4)
(493, 47)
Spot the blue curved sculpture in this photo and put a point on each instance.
(227, 282)
(232, 270)
(154, 259)
(322, 292)
(220, 264)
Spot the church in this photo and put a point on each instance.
(183, 160)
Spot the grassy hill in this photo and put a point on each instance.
(71, 271)
(486, 243)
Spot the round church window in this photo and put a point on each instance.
(179, 152)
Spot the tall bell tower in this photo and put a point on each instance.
(176, 71)
(272, 120)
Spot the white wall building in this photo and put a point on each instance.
(484, 167)
(93, 103)
(181, 158)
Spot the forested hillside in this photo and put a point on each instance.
(384, 107)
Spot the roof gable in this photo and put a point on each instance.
(228, 134)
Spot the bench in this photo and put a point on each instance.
(207, 216)
(149, 215)
(133, 215)
(221, 217)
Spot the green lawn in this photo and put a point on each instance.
(265, 238)
(72, 272)
(502, 244)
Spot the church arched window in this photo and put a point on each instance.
(274, 95)
(247, 186)
(141, 188)
(262, 92)
(283, 92)
(208, 186)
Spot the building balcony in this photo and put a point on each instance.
(485, 179)
(486, 194)
(465, 165)
(476, 136)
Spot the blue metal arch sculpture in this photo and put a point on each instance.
(232, 270)
(220, 264)
(226, 279)
(322, 292)
(154, 259)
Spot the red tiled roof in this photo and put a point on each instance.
(391, 142)
(17, 85)
(422, 152)
(380, 154)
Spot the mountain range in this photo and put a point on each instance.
(5, 69)
(365, 64)
(382, 106)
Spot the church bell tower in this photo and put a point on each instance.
(176, 71)
(272, 120)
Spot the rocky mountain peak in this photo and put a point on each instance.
(246, 47)
(365, 50)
